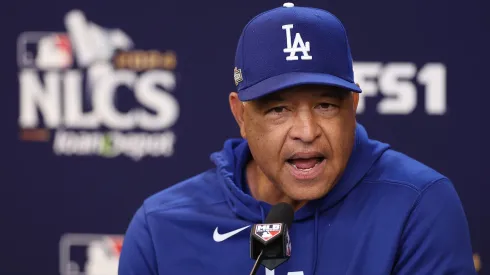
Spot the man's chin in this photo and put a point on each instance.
(306, 190)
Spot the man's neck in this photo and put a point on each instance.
(262, 189)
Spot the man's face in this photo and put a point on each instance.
(301, 138)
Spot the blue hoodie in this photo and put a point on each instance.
(389, 214)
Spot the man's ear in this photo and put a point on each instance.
(237, 108)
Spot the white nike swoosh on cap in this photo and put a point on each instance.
(221, 237)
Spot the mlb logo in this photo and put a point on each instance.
(267, 231)
(90, 254)
(89, 43)
(45, 50)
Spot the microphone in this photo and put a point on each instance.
(270, 245)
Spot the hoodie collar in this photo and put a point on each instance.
(232, 160)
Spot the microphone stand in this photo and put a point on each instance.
(257, 263)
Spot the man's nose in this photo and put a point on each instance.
(305, 127)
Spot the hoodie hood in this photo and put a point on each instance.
(232, 159)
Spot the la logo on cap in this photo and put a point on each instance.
(298, 45)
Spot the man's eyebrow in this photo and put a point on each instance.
(274, 97)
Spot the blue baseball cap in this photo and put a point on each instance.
(290, 46)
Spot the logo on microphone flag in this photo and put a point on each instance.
(267, 231)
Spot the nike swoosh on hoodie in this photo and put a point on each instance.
(221, 237)
(389, 214)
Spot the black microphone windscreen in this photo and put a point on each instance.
(281, 213)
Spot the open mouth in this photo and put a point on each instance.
(305, 164)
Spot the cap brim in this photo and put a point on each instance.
(288, 80)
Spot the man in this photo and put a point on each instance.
(360, 207)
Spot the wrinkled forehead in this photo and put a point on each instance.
(305, 92)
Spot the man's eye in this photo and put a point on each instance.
(326, 106)
(278, 109)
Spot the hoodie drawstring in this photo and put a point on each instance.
(315, 241)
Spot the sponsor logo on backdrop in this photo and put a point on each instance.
(90, 254)
(398, 88)
(89, 92)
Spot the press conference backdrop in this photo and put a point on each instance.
(108, 102)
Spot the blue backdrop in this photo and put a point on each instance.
(107, 102)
